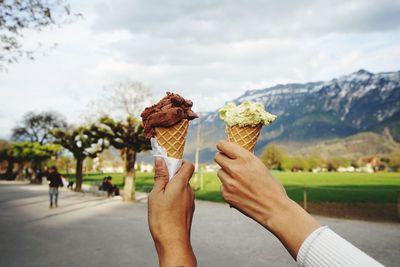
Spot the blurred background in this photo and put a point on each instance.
(75, 76)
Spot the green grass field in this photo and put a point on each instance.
(321, 187)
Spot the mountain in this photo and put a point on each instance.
(352, 147)
(311, 112)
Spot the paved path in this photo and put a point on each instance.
(94, 231)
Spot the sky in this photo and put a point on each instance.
(208, 51)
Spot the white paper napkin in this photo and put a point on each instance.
(173, 164)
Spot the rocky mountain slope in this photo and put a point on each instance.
(359, 102)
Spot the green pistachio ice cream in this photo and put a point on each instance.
(245, 114)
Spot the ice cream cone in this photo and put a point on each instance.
(245, 136)
(173, 138)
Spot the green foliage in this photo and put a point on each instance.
(355, 163)
(122, 134)
(299, 164)
(64, 163)
(4, 148)
(272, 156)
(276, 158)
(346, 163)
(287, 164)
(321, 187)
(334, 163)
(27, 152)
(128, 136)
(315, 160)
(394, 160)
(82, 142)
(89, 165)
(33, 152)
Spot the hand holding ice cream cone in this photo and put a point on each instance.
(166, 124)
(244, 122)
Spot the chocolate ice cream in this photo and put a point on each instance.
(172, 109)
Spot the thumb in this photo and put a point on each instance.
(160, 174)
(184, 174)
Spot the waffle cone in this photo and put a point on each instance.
(246, 136)
(173, 138)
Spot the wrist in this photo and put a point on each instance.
(175, 252)
(291, 224)
(167, 245)
(280, 211)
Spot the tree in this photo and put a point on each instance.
(64, 162)
(37, 153)
(34, 153)
(355, 163)
(130, 97)
(5, 157)
(315, 160)
(287, 163)
(272, 156)
(120, 100)
(394, 160)
(129, 138)
(22, 153)
(82, 143)
(333, 164)
(36, 127)
(299, 164)
(18, 15)
(345, 162)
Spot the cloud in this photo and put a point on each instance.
(226, 21)
(209, 51)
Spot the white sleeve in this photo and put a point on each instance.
(323, 247)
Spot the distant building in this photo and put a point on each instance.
(373, 161)
(111, 169)
(367, 168)
(318, 169)
(346, 169)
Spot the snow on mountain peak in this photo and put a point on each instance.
(337, 95)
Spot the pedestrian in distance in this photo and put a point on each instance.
(55, 181)
(110, 187)
(70, 185)
(103, 186)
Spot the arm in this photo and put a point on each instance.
(60, 181)
(248, 186)
(170, 213)
(323, 247)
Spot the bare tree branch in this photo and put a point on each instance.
(119, 101)
(19, 15)
(36, 127)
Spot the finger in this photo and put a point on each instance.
(184, 174)
(224, 196)
(223, 161)
(160, 174)
(230, 149)
(230, 183)
(223, 176)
